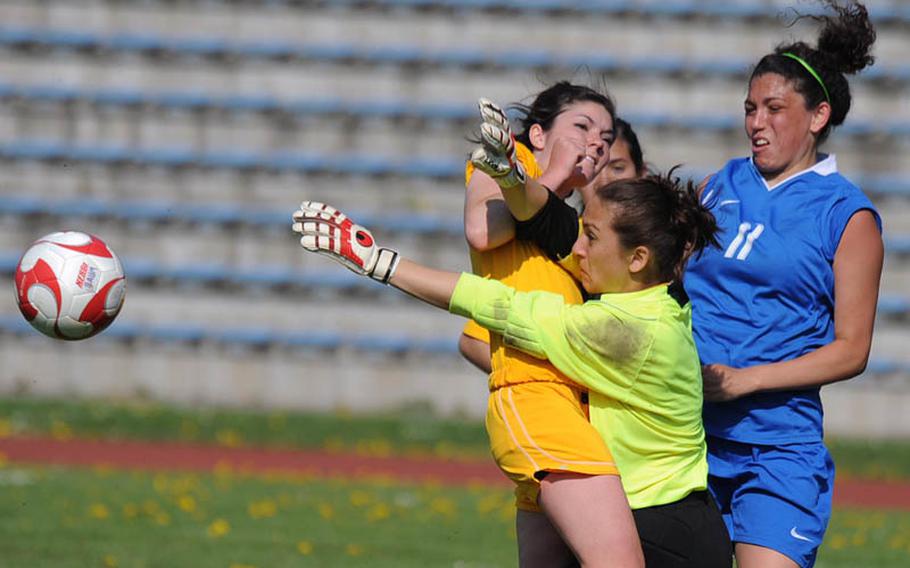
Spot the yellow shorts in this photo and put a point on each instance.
(542, 427)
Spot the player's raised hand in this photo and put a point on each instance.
(329, 232)
(496, 156)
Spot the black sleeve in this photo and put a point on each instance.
(554, 228)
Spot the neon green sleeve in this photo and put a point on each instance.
(594, 345)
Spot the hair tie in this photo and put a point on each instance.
(811, 71)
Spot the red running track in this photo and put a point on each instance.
(185, 457)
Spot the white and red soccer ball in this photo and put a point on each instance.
(69, 285)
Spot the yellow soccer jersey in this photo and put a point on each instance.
(635, 353)
(523, 266)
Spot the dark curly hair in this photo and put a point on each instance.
(844, 48)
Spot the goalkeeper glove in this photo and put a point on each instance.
(329, 232)
(496, 156)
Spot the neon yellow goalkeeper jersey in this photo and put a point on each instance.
(635, 353)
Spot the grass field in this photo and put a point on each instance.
(76, 517)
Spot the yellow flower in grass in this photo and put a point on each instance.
(163, 519)
(6, 428)
(837, 542)
(130, 511)
(360, 498)
(160, 483)
(375, 448)
(60, 430)
(218, 528)
(326, 511)
(305, 547)
(98, 511)
(150, 508)
(379, 512)
(110, 561)
(262, 509)
(229, 438)
(354, 550)
(443, 506)
(488, 503)
(187, 503)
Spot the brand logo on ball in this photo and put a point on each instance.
(87, 276)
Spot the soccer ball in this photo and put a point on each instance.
(69, 285)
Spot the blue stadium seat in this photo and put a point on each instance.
(199, 274)
(256, 338)
(387, 109)
(32, 150)
(381, 343)
(21, 205)
(181, 101)
(894, 307)
(437, 168)
(268, 276)
(385, 55)
(8, 262)
(879, 12)
(81, 207)
(207, 214)
(313, 340)
(898, 244)
(144, 211)
(122, 331)
(176, 333)
(140, 269)
(134, 42)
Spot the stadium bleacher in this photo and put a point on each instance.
(31, 40)
(186, 132)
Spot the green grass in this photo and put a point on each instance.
(61, 518)
(70, 517)
(858, 538)
(64, 518)
(408, 431)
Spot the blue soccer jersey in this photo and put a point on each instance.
(767, 294)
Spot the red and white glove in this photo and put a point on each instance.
(329, 232)
(496, 157)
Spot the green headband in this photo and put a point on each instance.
(811, 71)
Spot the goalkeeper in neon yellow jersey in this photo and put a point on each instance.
(630, 344)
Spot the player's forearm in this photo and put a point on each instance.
(525, 202)
(839, 360)
(489, 225)
(475, 351)
(487, 221)
(432, 286)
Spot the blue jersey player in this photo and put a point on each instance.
(787, 303)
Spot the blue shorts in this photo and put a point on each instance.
(778, 497)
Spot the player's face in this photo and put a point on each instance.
(589, 127)
(620, 165)
(779, 127)
(603, 261)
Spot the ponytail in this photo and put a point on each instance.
(819, 74)
(664, 215)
